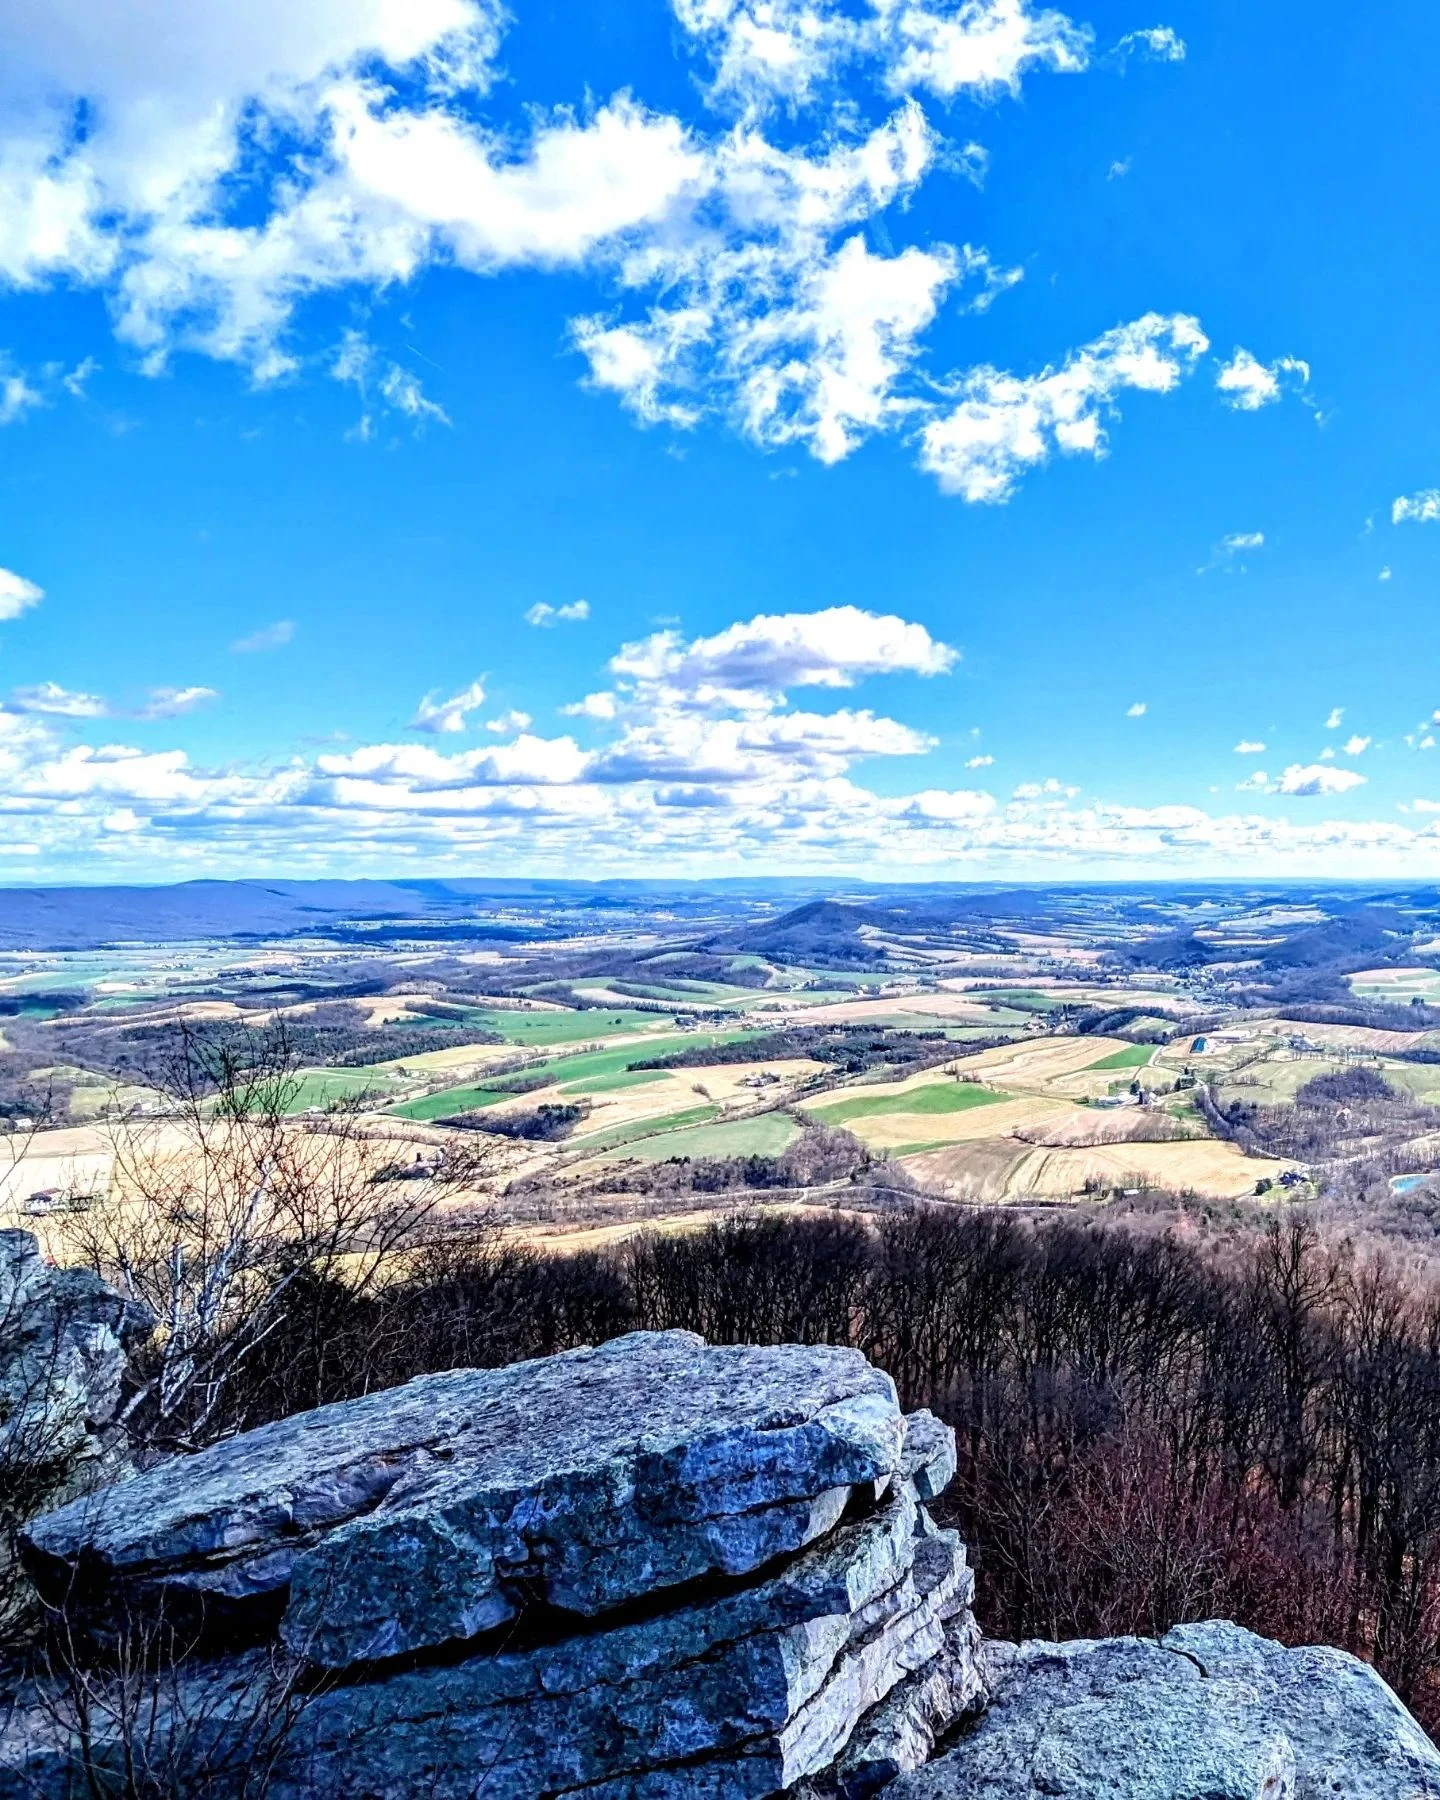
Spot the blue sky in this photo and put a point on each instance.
(899, 436)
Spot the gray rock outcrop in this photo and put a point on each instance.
(65, 1337)
(1209, 1712)
(655, 1569)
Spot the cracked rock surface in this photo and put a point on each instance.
(435, 1511)
(1209, 1712)
(653, 1569)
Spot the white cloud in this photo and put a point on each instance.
(49, 698)
(1417, 509)
(378, 382)
(1160, 42)
(776, 313)
(750, 665)
(1249, 747)
(1118, 169)
(1259, 781)
(982, 47)
(1335, 718)
(17, 595)
(765, 51)
(1045, 790)
(980, 762)
(1006, 424)
(1137, 711)
(1356, 746)
(1246, 384)
(509, 723)
(1315, 778)
(1242, 540)
(437, 715)
(269, 637)
(17, 396)
(593, 706)
(174, 702)
(1384, 574)
(573, 612)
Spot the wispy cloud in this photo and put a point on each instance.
(1246, 384)
(1137, 711)
(174, 702)
(545, 615)
(437, 715)
(269, 637)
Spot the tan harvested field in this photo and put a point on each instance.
(1084, 1127)
(1358, 1037)
(1003, 1170)
(893, 1131)
(924, 1009)
(1036, 1062)
(678, 1091)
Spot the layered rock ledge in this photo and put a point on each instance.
(656, 1568)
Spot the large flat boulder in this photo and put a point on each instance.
(437, 1511)
(734, 1696)
(1210, 1712)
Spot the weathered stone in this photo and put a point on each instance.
(432, 1512)
(737, 1697)
(928, 1459)
(1211, 1712)
(64, 1338)
(901, 1733)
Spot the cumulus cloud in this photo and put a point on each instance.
(751, 665)
(543, 614)
(1335, 718)
(17, 595)
(49, 698)
(1417, 509)
(509, 723)
(437, 715)
(1003, 424)
(775, 311)
(593, 706)
(1246, 384)
(1356, 746)
(1312, 779)
(980, 762)
(269, 637)
(1249, 747)
(1137, 711)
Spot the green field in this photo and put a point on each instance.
(323, 1087)
(645, 1128)
(938, 1097)
(591, 1065)
(1134, 1056)
(768, 1134)
(449, 1102)
(614, 1084)
(542, 1029)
